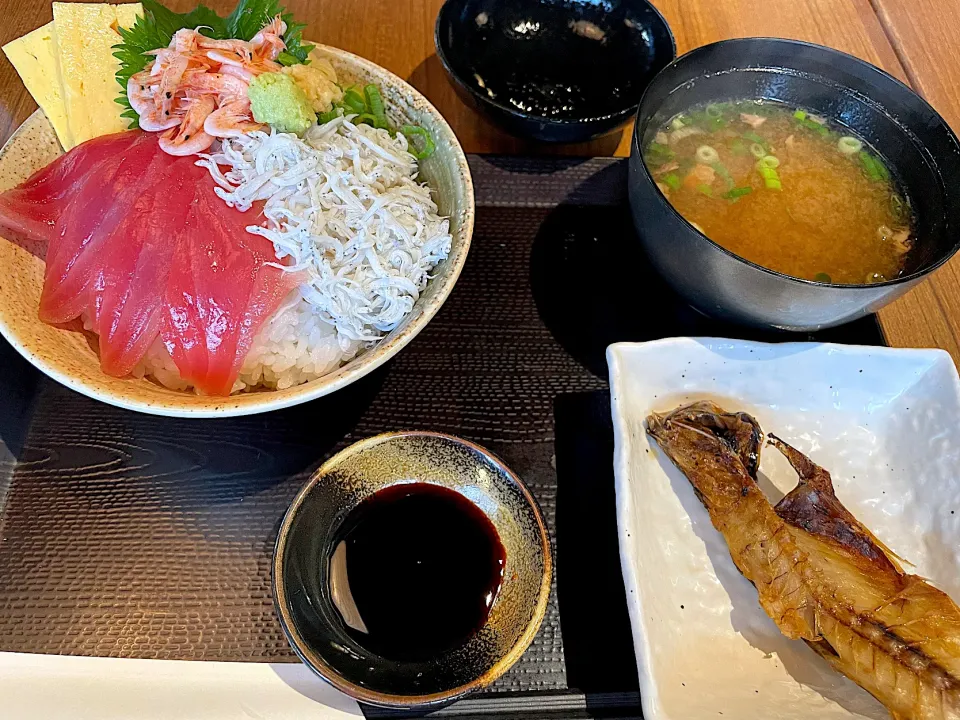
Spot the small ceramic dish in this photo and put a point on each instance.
(305, 547)
(68, 358)
(882, 421)
(554, 72)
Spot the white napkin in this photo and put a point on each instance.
(39, 687)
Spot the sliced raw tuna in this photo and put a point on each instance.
(139, 243)
(218, 300)
(45, 190)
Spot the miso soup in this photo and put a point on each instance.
(785, 189)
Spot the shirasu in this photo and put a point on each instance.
(343, 206)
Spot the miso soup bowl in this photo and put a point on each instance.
(923, 153)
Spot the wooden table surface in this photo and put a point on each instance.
(912, 39)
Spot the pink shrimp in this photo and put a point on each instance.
(190, 138)
(169, 82)
(265, 65)
(157, 120)
(225, 57)
(141, 88)
(240, 48)
(239, 71)
(268, 43)
(195, 89)
(225, 87)
(232, 119)
(185, 41)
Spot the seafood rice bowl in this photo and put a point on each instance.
(273, 216)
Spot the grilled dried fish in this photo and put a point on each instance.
(821, 575)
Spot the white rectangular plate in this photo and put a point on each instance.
(882, 421)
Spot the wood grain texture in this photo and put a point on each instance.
(923, 34)
(911, 39)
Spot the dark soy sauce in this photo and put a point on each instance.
(416, 571)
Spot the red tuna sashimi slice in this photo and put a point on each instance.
(128, 307)
(86, 223)
(32, 208)
(226, 290)
(139, 241)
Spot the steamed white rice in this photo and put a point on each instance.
(294, 346)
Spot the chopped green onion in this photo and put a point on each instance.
(882, 169)
(754, 138)
(367, 118)
(375, 103)
(768, 161)
(331, 114)
(707, 155)
(722, 171)
(715, 124)
(849, 145)
(770, 177)
(815, 126)
(705, 189)
(822, 277)
(800, 114)
(870, 166)
(738, 193)
(897, 206)
(415, 131)
(677, 123)
(354, 101)
(758, 151)
(714, 110)
(673, 181)
(873, 167)
(658, 154)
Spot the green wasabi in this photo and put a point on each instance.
(276, 99)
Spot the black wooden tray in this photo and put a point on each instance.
(128, 535)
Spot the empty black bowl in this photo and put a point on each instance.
(553, 71)
(922, 150)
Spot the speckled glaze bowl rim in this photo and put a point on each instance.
(692, 56)
(623, 114)
(269, 400)
(387, 700)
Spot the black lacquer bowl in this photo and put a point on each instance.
(917, 142)
(553, 71)
(310, 531)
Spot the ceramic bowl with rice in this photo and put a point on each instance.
(299, 354)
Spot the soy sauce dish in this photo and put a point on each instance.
(412, 569)
(830, 98)
(549, 71)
